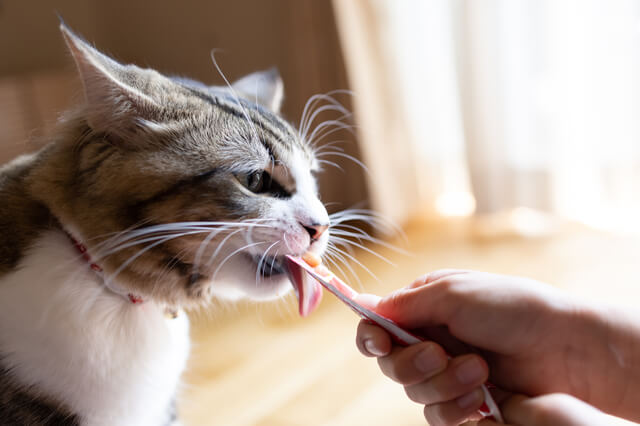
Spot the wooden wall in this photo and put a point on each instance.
(299, 37)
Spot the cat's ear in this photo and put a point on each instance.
(113, 91)
(263, 87)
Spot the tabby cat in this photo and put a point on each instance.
(156, 194)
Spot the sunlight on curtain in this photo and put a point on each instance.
(521, 103)
(402, 63)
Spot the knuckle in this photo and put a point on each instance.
(397, 371)
(397, 301)
(420, 281)
(411, 393)
(386, 366)
(416, 393)
(428, 415)
(394, 368)
(433, 415)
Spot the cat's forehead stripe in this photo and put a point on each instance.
(279, 130)
(255, 116)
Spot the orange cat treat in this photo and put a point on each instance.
(312, 259)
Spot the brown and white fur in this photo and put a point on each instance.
(180, 193)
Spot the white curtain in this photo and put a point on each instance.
(489, 106)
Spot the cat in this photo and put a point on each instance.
(156, 194)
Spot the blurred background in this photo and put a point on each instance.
(500, 135)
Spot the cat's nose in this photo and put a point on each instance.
(315, 230)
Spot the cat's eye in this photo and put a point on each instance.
(261, 182)
(256, 181)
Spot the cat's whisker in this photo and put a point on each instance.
(172, 227)
(219, 248)
(362, 214)
(110, 279)
(305, 121)
(327, 128)
(234, 94)
(120, 247)
(262, 259)
(334, 264)
(338, 108)
(222, 243)
(341, 225)
(286, 242)
(333, 145)
(157, 241)
(233, 253)
(319, 97)
(356, 261)
(112, 234)
(327, 153)
(168, 267)
(319, 147)
(249, 235)
(203, 245)
(324, 108)
(346, 242)
(348, 157)
(140, 239)
(153, 231)
(354, 231)
(304, 135)
(311, 103)
(333, 251)
(370, 217)
(273, 261)
(361, 235)
(331, 163)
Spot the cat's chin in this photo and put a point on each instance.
(268, 267)
(252, 277)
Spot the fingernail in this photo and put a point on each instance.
(470, 371)
(429, 360)
(372, 348)
(471, 399)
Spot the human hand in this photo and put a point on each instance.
(535, 339)
(553, 409)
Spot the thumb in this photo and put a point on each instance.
(414, 307)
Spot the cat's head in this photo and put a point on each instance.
(210, 184)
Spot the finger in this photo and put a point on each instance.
(456, 411)
(557, 409)
(416, 307)
(415, 363)
(367, 300)
(462, 375)
(489, 422)
(372, 340)
(435, 276)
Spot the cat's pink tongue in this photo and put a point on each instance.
(307, 289)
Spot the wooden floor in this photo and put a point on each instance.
(262, 365)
